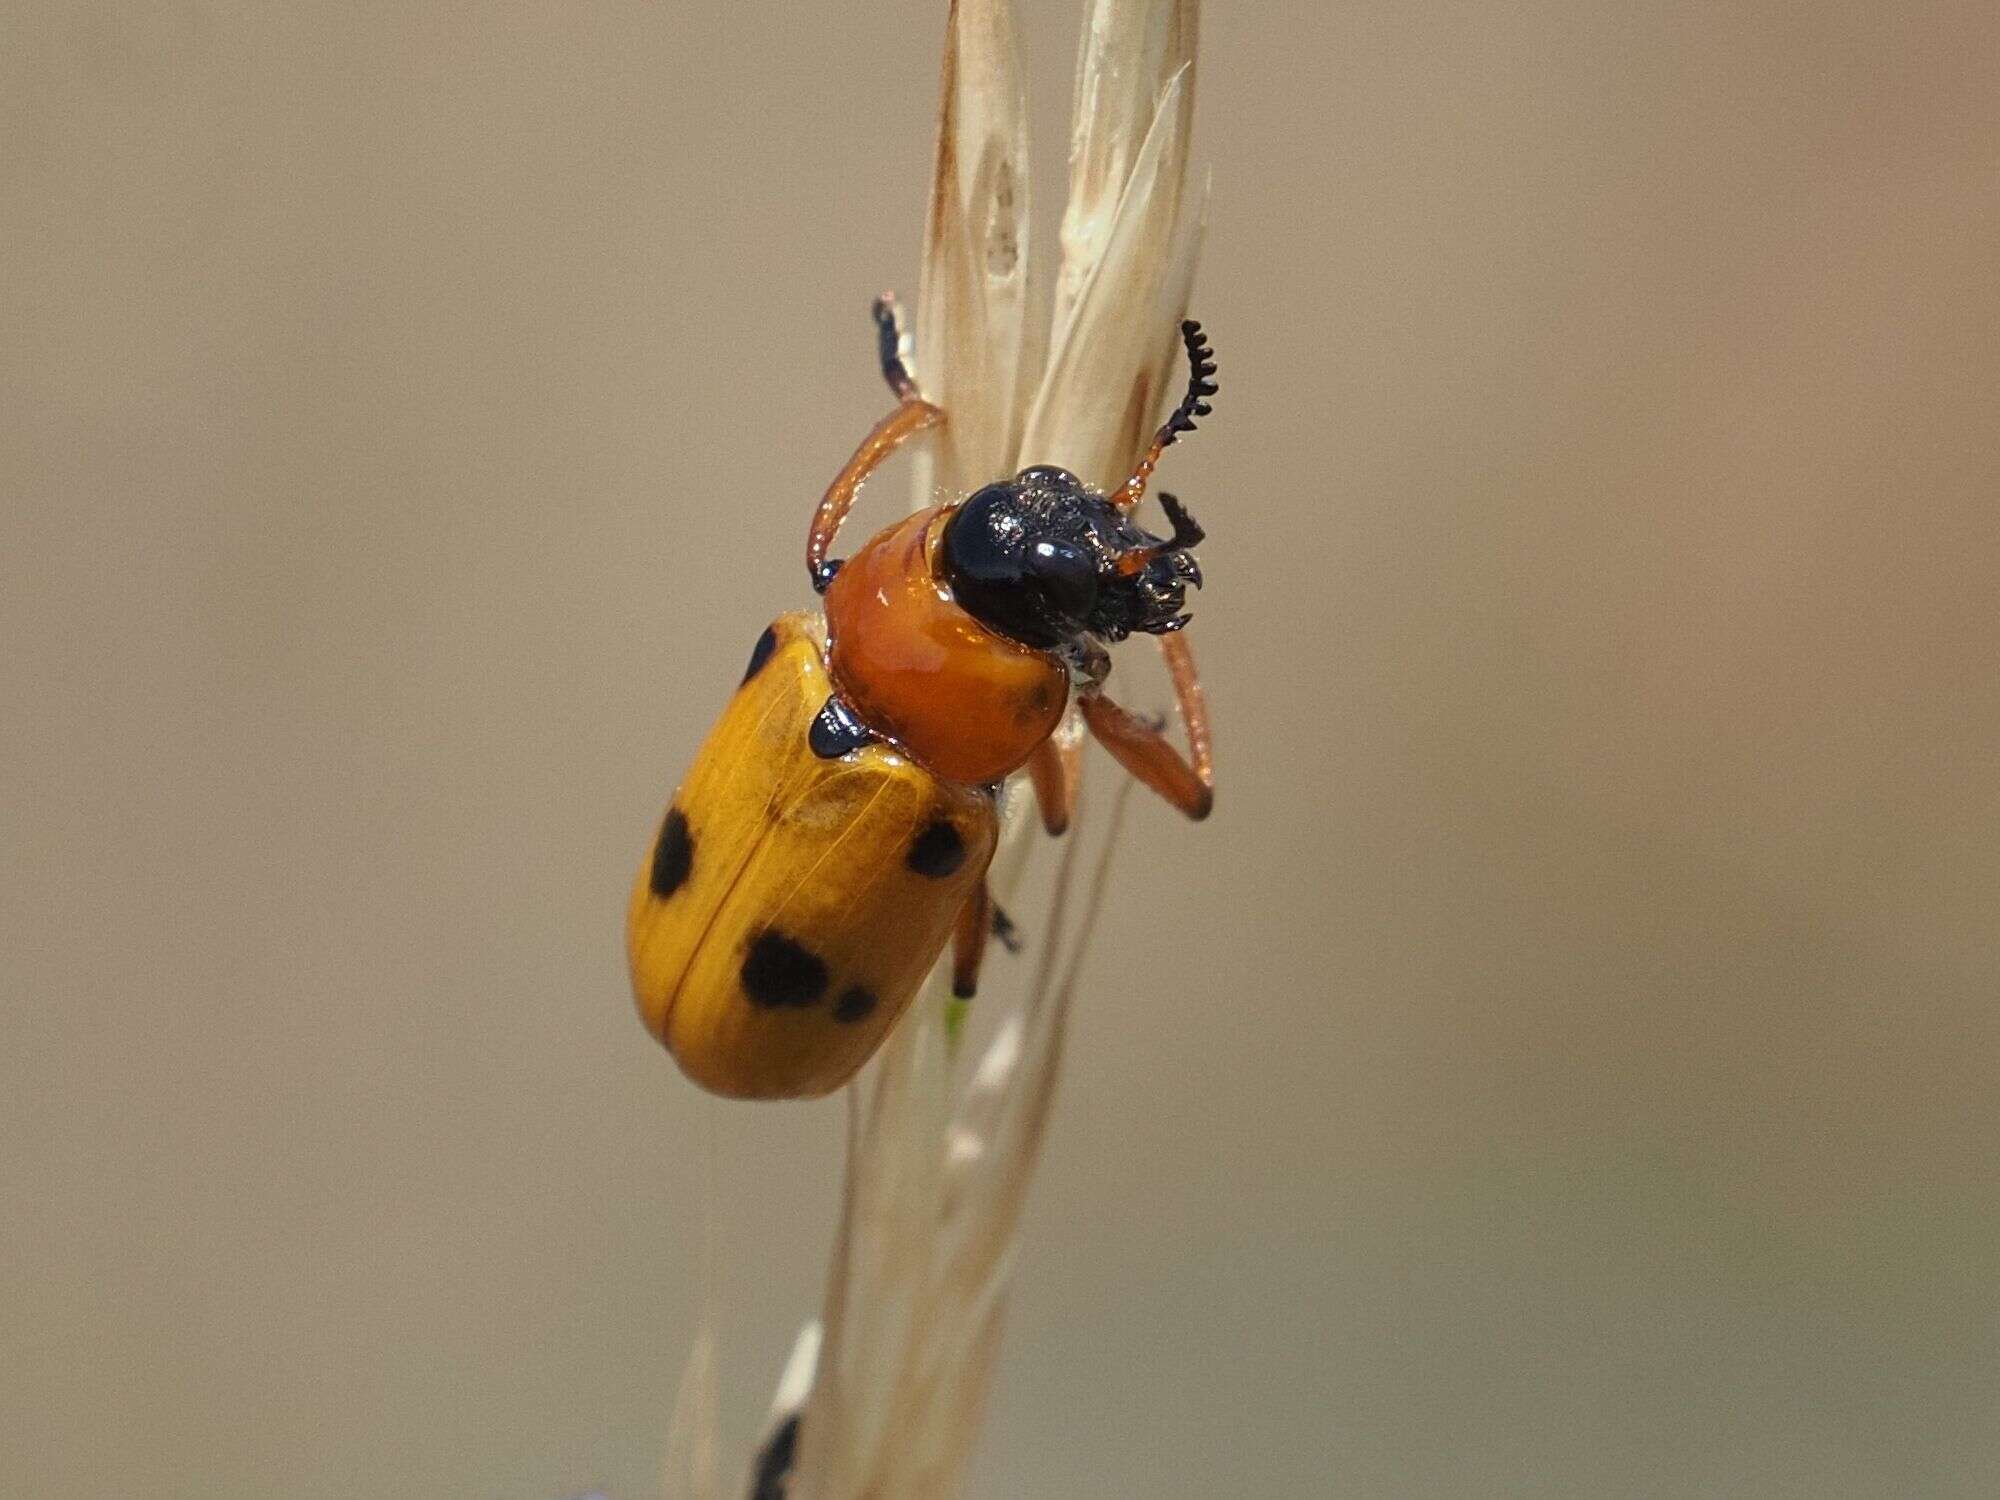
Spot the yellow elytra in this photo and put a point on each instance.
(793, 903)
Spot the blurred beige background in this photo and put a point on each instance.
(1565, 1065)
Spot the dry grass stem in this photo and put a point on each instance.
(1035, 362)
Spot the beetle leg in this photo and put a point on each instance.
(968, 940)
(912, 415)
(892, 344)
(1054, 769)
(1188, 782)
(1005, 933)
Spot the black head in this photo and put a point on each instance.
(1044, 559)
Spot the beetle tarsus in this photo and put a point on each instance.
(1004, 930)
(891, 342)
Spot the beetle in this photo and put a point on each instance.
(835, 829)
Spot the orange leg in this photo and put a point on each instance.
(912, 415)
(968, 941)
(1187, 782)
(1054, 769)
(1193, 703)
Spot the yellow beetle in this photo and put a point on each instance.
(835, 830)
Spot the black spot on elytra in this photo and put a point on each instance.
(937, 851)
(673, 855)
(854, 1004)
(761, 652)
(836, 730)
(780, 971)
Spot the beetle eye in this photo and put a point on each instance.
(1067, 576)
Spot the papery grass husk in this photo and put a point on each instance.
(694, 1432)
(1034, 361)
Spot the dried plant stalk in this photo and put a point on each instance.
(884, 1394)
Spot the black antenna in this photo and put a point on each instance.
(1201, 385)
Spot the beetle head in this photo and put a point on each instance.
(1044, 559)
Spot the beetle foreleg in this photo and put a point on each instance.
(1188, 782)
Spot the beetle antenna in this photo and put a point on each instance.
(1201, 385)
